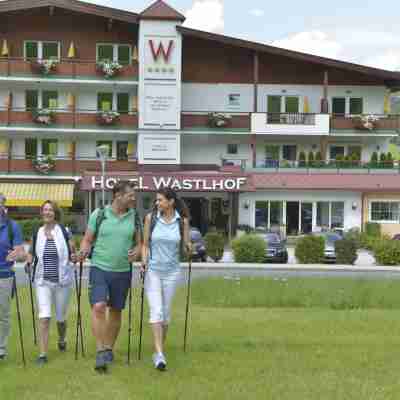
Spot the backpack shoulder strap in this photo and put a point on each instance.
(138, 224)
(153, 222)
(101, 216)
(10, 232)
(66, 238)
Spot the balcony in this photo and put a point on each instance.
(215, 122)
(365, 124)
(65, 166)
(328, 167)
(64, 119)
(64, 69)
(289, 124)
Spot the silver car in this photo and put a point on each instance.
(330, 239)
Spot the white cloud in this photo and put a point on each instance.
(256, 12)
(206, 15)
(390, 60)
(313, 42)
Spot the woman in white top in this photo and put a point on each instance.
(51, 253)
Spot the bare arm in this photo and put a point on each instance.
(146, 239)
(86, 244)
(17, 254)
(186, 235)
(73, 250)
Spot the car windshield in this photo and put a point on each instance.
(195, 235)
(332, 237)
(272, 238)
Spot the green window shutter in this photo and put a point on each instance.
(31, 49)
(123, 102)
(356, 105)
(50, 147)
(291, 104)
(339, 105)
(104, 101)
(124, 53)
(30, 148)
(107, 143)
(50, 51)
(31, 99)
(45, 147)
(105, 52)
(274, 104)
(50, 99)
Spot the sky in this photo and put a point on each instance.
(361, 31)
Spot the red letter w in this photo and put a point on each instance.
(161, 50)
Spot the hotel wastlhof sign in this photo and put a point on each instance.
(151, 182)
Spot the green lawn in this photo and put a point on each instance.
(250, 339)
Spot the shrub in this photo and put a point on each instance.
(318, 159)
(339, 160)
(355, 235)
(355, 160)
(389, 160)
(374, 160)
(28, 226)
(302, 159)
(311, 159)
(310, 250)
(249, 249)
(373, 229)
(387, 252)
(382, 160)
(346, 251)
(215, 242)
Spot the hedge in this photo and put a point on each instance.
(215, 242)
(346, 251)
(310, 250)
(249, 249)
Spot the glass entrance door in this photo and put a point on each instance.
(306, 217)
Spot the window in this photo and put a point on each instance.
(104, 101)
(262, 214)
(234, 100)
(232, 148)
(339, 105)
(108, 143)
(49, 99)
(122, 151)
(385, 211)
(291, 104)
(323, 214)
(336, 151)
(123, 103)
(114, 52)
(337, 214)
(276, 213)
(31, 99)
(42, 50)
(50, 147)
(289, 152)
(31, 147)
(356, 106)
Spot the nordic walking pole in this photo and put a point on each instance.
(187, 302)
(21, 338)
(79, 332)
(130, 318)
(80, 314)
(143, 273)
(28, 268)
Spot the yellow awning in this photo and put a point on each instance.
(35, 194)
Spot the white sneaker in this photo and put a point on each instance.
(159, 361)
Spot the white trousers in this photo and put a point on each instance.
(49, 294)
(160, 288)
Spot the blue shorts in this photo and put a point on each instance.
(109, 287)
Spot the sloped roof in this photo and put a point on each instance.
(73, 5)
(263, 48)
(161, 11)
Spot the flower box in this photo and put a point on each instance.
(107, 117)
(44, 116)
(365, 122)
(109, 68)
(43, 164)
(44, 67)
(219, 120)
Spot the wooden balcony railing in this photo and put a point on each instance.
(365, 122)
(65, 118)
(199, 120)
(65, 68)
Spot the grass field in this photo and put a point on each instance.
(250, 339)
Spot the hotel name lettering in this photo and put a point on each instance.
(179, 184)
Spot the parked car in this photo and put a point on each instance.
(396, 236)
(199, 252)
(276, 250)
(330, 239)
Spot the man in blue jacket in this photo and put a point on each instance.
(11, 249)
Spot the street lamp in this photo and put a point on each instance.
(102, 153)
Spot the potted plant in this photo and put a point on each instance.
(109, 68)
(108, 117)
(45, 66)
(219, 120)
(43, 116)
(365, 122)
(43, 164)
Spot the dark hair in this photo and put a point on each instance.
(55, 207)
(179, 204)
(122, 186)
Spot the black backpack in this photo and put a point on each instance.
(101, 216)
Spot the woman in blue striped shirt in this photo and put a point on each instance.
(54, 250)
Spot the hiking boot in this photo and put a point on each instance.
(41, 360)
(108, 356)
(159, 361)
(101, 364)
(62, 346)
